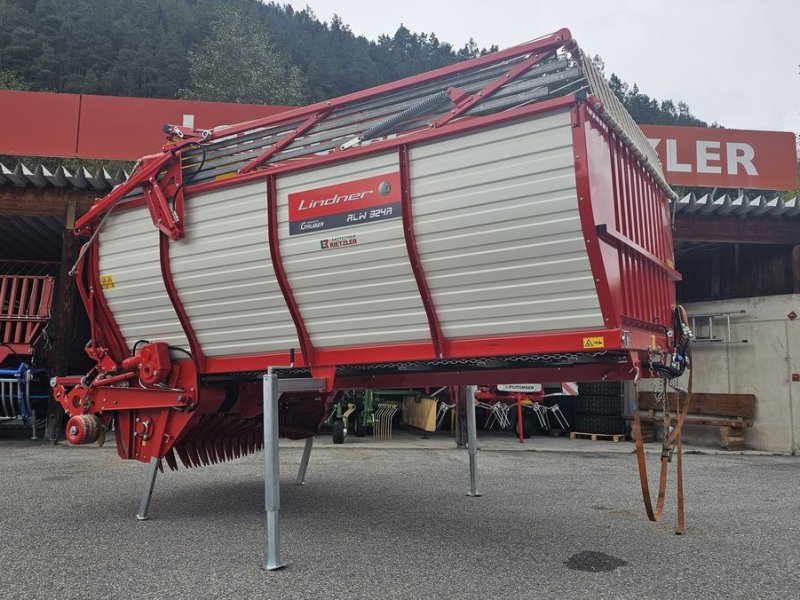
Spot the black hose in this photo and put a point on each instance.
(193, 174)
(177, 349)
(680, 352)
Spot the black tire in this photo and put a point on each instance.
(600, 388)
(338, 432)
(357, 428)
(598, 405)
(599, 424)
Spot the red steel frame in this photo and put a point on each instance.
(413, 255)
(198, 357)
(306, 347)
(622, 209)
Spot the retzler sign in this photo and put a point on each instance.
(726, 158)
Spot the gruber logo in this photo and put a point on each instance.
(345, 204)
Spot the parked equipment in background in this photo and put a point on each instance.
(384, 418)
(25, 302)
(340, 419)
(16, 399)
(519, 407)
(359, 412)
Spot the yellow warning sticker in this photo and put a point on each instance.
(594, 342)
(107, 281)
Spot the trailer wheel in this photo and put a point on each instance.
(338, 432)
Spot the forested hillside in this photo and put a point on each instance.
(224, 50)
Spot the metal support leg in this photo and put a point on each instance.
(301, 474)
(33, 425)
(272, 490)
(144, 504)
(472, 442)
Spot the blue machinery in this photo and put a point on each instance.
(15, 395)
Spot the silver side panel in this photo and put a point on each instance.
(357, 295)
(224, 276)
(498, 231)
(129, 254)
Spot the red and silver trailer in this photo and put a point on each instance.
(502, 219)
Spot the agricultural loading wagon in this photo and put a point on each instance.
(498, 220)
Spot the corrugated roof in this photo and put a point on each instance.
(30, 238)
(738, 206)
(82, 179)
(41, 177)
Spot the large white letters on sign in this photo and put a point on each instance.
(708, 158)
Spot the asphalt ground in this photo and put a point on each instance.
(395, 523)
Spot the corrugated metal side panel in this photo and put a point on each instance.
(498, 230)
(224, 276)
(129, 254)
(361, 294)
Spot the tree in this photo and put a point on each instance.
(237, 62)
(10, 81)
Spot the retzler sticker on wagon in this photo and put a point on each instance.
(345, 204)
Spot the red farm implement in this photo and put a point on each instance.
(501, 219)
(25, 302)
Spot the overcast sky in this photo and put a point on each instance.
(734, 62)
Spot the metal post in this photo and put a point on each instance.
(144, 504)
(301, 474)
(472, 442)
(461, 417)
(33, 425)
(28, 377)
(272, 490)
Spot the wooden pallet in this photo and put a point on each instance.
(616, 438)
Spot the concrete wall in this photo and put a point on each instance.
(763, 366)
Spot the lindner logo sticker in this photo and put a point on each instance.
(345, 204)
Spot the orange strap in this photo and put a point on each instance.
(670, 436)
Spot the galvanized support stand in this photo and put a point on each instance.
(33, 424)
(461, 418)
(301, 474)
(472, 442)
(28, 376)
(272, 475)
(273, 388)
(144, 504)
